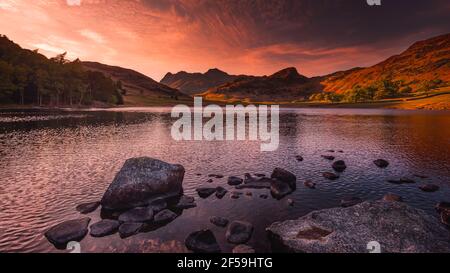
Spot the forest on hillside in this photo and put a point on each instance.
(30, 78)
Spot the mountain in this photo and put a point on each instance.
(424, 61)
(194, 83)
(283, 86)
(139, 89)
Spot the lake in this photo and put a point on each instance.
(52, 161)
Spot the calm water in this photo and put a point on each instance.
(51, 162)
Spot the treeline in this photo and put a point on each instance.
(384, 89)
(27, 77)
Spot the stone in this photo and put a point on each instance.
(165, 216)
(218, 176)
(202, 241)
(429, 188)
(104, 227)
(158, 205)
(350, 202)
(299, 158)
(339, 166)
(221, 192)
(219, 221)
(87, 207)
(390, 197)
(309, 184)
(239, 232)
(129, 229)
(381, 163)
(72, 230)
(328, 157)
(401, 181)
(205, 192)
(142, 180)
(234, 181)
(243, 249)
(398, 228)
(285, 176)
(280, 189)
(330, 176)
(186, 202)
(137, 215)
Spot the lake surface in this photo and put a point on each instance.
(51, 162)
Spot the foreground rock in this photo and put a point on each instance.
(202, 241)
(137, 215)
(239, 232)
(381, 163)
(73, 230)
(243, 249)
(87, 207)
(104, 228)
(396, 226)
(443, 206)
(129, 229)
(142, 180)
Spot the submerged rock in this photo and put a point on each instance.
(158, 205)
(381, 163)
(339, 166)
(72, 230)
(309, 184)
(104, 228)
(186, 202)
(165, 216)
(137, 215)
(221, 192)
(129, 229)
(429, 188)
(330, 176)
(350, 202)
(390, 197)
(328, 157)
(280, 189)
(239, 232)
(87, 207)
(205, 192)
(202, 241)
(219, 221)
(142, 180)
(234, 181)
(243, 249)
(285, 176)
(396, 226)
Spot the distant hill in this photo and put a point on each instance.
(283, 86)
(195, 83)
(139, 89)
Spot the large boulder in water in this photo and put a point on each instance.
(142, 180)
(397, 227)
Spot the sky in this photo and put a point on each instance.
(252, 37)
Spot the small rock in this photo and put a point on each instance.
(390, 197)
(137, 215)
(330, 176)
(209, 181)
(285, 177)
(299, 158)
(202, 241)
(73, 230)
(328, 157)
(280, 189)
(243, 249)
(350, 202)
(443, 206)
(339, 166)
(239, 232)
(341, 151)
(429, 188)
(129, 229)
(158, 205)
(221, 192)
(309, 184)
(186, 202)
(165, 216)
(234, 181)
(219, 221)
(290, 202)
(381, 163)
(104, 228)
(216, 176)
(198, 174)
(205, 192)
(249, 193)
(87, 207)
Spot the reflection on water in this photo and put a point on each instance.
(51, 162)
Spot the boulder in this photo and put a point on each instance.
(219, 221)
(285, 176)
(137, 215)
(398, 228)
(165, 216)
(87, 207)
(429, 188)
(381, 163)
(243, 249)
(72, 230)
(330, 176)
(205, 192)
(339, 166)
(280, 189)
(129, 229)
(202, 241)
(221, 192)
(142, 180)
(390, 197)
(104, 228)
(234, 181)
(239, 232)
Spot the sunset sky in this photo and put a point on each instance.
(237, 36)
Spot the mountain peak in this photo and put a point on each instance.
(215, 71)
(289, 73)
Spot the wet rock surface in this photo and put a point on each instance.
(87, 207)
(104, 228)
(381, 163)
(186, 202)
(390, 197)
(72, 230)
(239, 232)
(137, 215)
(129, 229)
(202, 241)
(309, 184)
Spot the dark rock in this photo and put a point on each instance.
(398, 227)
(198, 174)
(209, 181)
(73, 230)
(186, 202)
(239, 232)
(104, 228)
(219, 221)
(443, 206)
(87, 207)
(350, 202)
(328, 157)
(429, 188)
(158, 205)
(280, 189)
(330, 176)
(243, 249)
(339, 166)
(390, 197)
(129, 229)
(205, 192)
(234, 181)
(142, 180)
(236, 195)
(264, 196)
(401, 181)
(221, 192)
(165, 216)
(309, 184)
(216, 176)
(330, 151)
(381, 163)
(202, 241)
(285, 176)
(299, 158)
(341, 151)
(445, 218)
(137, 215)
(260, 175)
